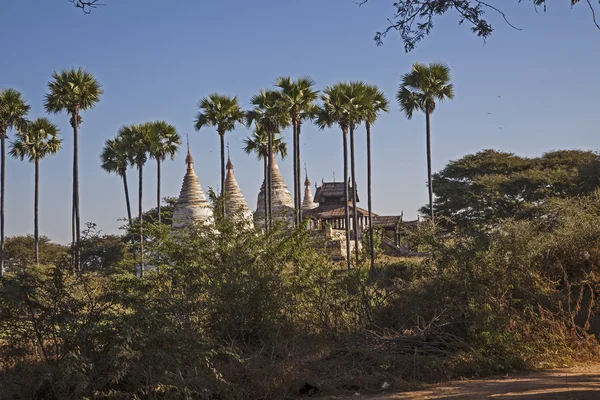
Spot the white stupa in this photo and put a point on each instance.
(235, 203)
(192, 207)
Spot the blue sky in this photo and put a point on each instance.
(526, 91)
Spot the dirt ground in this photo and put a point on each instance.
(577, 383)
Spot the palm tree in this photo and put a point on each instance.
(164, 143)
(13, 112)
(375, 103)
(115, 159)
(336, 109)
(269, 114)
(299, 101)
(38, 140)
(73, 91)
(137, 138)
(222, 112)
(355, 99)
(419, 90)
(259, 145)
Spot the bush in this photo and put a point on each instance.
(234, 313)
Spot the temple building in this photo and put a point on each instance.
(282, 204)
(235, 203)
(191, 207)
(330, 211)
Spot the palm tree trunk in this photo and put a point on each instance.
(354, 197)
(222, 139)
(3, 178)
(128, 204)
(76, 188)
(429, 185)
(36, 211)
(265, 172)
(269, 188)
(141, 219)
(158, 188)
(296, 192)
(371, 250)
(346, 211)
(298, 173)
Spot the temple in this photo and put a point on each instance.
(282, 204)
(324, 212)
(235, 203)
(191, 207)
(330, 210)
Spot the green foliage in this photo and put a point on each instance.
(19, 251)
(13, 111)
(38, 139)
(230, 312)
(479, 190)
(72, 90)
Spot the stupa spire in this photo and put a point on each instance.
(235, 203)
(192, 207)
(308, 202)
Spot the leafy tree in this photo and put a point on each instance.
(73, 91)
(224, 113)
(137, 138)
(19, 255)
(419, 91)
(268, 113)
(298, 98)
(374, 104)
(337, 109)
(259, 145)
(38, 140)
(164, 142)
(101, 253)
(479, 190)
(413, 19)
(13, 112)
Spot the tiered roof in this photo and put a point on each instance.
(235, 203)
(191, 207)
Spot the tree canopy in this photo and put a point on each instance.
(481, 189)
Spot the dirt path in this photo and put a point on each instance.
(578, 383)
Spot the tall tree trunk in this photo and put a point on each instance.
(158, 188)
(265, 172)
(298, 172)
(354, 197)
(270, 178)
(346, 211)
(429, 184)
(36, 211)
(3, 178)
(371, 249)
(76, 189)
(296, 193)
(128, 204)
(141, 219)
(222, 139)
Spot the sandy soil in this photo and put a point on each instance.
(578, 383)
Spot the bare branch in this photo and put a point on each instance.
(86, 5)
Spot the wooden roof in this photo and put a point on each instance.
(333, 211)
(333, 189)
(393, 222)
